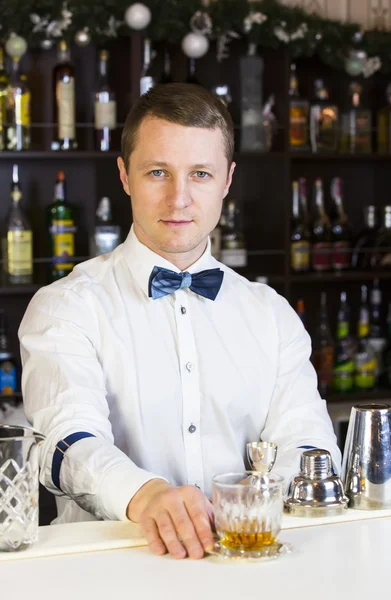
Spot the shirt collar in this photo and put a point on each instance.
(141, 260)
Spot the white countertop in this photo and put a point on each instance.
(350, 559)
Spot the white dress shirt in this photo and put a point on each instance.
(171, 388)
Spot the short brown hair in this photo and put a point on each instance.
(186, 104)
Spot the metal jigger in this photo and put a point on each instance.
(262, 456)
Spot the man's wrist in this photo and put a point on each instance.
(143, 497)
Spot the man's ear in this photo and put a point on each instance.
(123, 175)
(229, 179)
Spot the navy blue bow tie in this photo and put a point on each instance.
(205, 283)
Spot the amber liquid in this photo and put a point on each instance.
(247, 541)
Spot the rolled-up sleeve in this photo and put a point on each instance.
(64, 392)
(297, 416)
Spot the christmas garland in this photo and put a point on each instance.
(266, 23)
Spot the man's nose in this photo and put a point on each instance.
(178, 193)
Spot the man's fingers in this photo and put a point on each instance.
(169, 535)
(201, 521)
(152, 536)
(186, 531)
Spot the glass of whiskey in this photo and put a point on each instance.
(248, 509)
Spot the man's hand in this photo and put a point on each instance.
(177, 519)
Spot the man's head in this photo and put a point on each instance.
(176, 165)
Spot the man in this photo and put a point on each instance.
(148, 382)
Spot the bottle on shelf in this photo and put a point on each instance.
(366, 239)
(233, 245)
(8, 366)
(147, 81)
(321, 233)
(191, 76)
(300, 309)
(166, 75)
(105, 106)
(61, 226)
(323, 350)
(298, 115)
(18, 135)
(18, 239)
(356, 124)
(342, 245)
(384, 125)
(381, 255)
(376, 337)
(365, 359)
(303, 199)
(344, 367)
(300, 234)
(215, 236)
(107, 234)
(4, 86)
(64, 99)
(386, 380)
(324, 121)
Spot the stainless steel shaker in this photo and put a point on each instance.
(366, 464)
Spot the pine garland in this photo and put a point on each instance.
(267, 23)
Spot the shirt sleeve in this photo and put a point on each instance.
(297, 414)
(64, 392)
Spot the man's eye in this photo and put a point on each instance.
(157, 172)
(202, 174)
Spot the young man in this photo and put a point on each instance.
(148, 369)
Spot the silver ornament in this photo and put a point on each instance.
(195, 45)
(15, 46)
(358, 36)
(137, 16)
(46, 44)
(82, 37)
(355, 62)
(201, 23)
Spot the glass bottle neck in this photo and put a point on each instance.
(387, 220)
(59, 192)
(147, 53)
(103, 70)
(370, 219)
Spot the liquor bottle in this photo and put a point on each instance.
(324, 121)
(386, 380)
(344, 355)
(4, 83)
(8, 367)
(64, 110)
(300, 235)
(105, 106)
(298, 115)
(304, 201)
(376, 338)
(147, 81)
(191, 72)
(18, 110)
(233, 246)
(18, 239)
(384, 125)
(323, 349)
(61, 225)
(107, 234)
(321, 233)
(215, 236)
(342, 246)
(166, 75)
(381, 255)
(300, 309)
(356, 124)
(366, 239)
(365, 360)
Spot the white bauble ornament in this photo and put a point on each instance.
(355, 62)
(82, 37)
(137, 16)
(46, 44)
(195, 45)
(15, 46)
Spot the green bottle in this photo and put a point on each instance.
(344, 357)
(61, 225)
(365, 359)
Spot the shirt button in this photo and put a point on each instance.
(192, 428)
(183, 310)
(189, 366)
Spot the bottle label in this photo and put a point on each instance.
(298, 126)
(343, 376)
(22, 109)
(342, 330)
(63, 232)
(342, 255)
(365, 376)
(20, 252)
(145, 84)
(300, 256)
(106, 241)
(321, 256)
(105, 114)
(66, 109)
(234, 257)
(8, 379)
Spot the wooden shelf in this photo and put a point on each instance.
(47, 154)
(339, 276)
(360, 396)
(315, 157)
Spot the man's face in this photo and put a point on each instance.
(177, 179)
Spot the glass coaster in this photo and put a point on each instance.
(266, 553)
